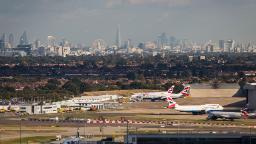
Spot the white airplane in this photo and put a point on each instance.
(194, 109)
(214, 115)
(153, 96)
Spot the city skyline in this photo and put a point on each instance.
(141, 20)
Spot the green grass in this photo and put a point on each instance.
(27, 140)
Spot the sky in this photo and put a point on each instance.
(83, 21)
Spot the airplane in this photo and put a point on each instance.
(194, 109)
(214, 115)
(154, 96)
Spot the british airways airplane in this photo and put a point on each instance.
(154, 96)
(194, 109)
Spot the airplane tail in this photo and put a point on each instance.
(245, 114)
(186, 91)
(170, 90)
(171, 103)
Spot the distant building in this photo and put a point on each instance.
(202, 57)
(99, 45)
(172, 41)
(26, 109)
(229, 46)
(26, 48)
(162, 41)
(13, 52)
(51, 41)
(118, 37)
(24, 39)
(45, 109)
(3, 42)
(11, 41)
(150, 45)
(209, 48)
(38, 109)
(221, 44)
(190, 58)
(127, 44)
(37, 43)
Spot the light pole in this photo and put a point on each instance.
(0, 136)
(178, 127)
(84, 123)
(250, 135)
(20, 127)
(127, 131)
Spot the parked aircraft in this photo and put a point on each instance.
(156, 96)
(194, 109)
(214, 115)
(231, 115)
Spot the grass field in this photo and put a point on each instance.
(124, 93)
(30, 140)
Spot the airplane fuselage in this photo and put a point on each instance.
(199, 109)
(224, 115)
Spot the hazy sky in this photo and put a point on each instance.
(83, 21)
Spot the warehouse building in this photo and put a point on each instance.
(38, 109)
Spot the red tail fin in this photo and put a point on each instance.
(186, 91)
(171, 106)
(170, 90)
(244, 113)
(171, 102)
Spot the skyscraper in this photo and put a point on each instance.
(11, 40)
(221, 44)
(2, 41)
(3, 37)
(229, 46)
(37, 43)
(118, 37)
(127, 44)
(162, 41)
(51, 41)
(24, 39)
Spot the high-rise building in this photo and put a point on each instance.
(37, 43)
(233, 46)
(229, 46)
(209, 48)
(99, 45)
(11, 40)
(2, 41)
(51, 41)
(118, 37)
(172, 41)
(221, 44)
(127, 44)
(162, 41)
(24, 39)
(3, 37)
